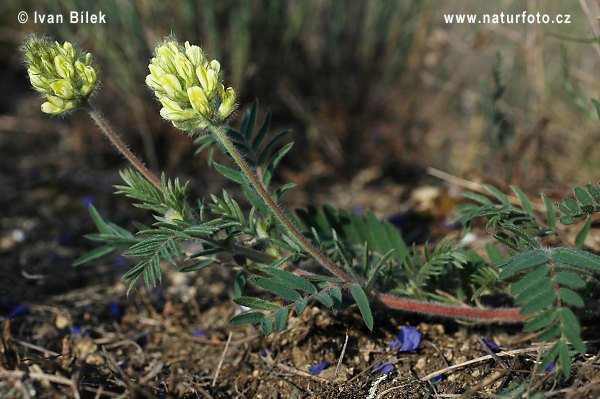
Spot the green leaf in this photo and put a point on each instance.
(255, 303)
(292, 280)
(541, 320)
(576, 258)
(239, 283)
(281, 318)
(363, 304)
(538, 302)
(268, 173)
(277, 194)
(569, 319)
(498, 194)
(325, 299)
(378, 234)
(265, 152)
(551, 355)
(247, 318)
(207, 251)
(493, 253)
(583, 196)
(262, 131)
(94, 254)
(549, 334)
(249, 120)
(523, 261)
(564, 357)
(278, 288)
(570, 279)
(229, 173)
(572, 335)
(396, 242)
(197, 266)
(593, 192)
(483, 200)
(570, 296)
(133, 283)
(300, 306)
(267, 326)
(550, 215)
(525, 203)
(566, 220)
(572, 205)
(336, 297)
(531, 279)
(596, 106)
(583, 233)
(318, 277)
(534, 289)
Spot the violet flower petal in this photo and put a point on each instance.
(384, 367)
(201, 334)
(408, 338)
(317, 368)
(18, 310)
(549, 368)
(491, 344)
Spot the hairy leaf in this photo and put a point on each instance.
(363, 304)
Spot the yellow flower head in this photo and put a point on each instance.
(188, 87)
(59, 71)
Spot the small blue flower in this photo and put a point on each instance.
(437, 378)
(408, 339)
(549, 368)
(18, 310)
(76, 330)
(121, 261)
(114, 310)
(201, 334)
(317, 368)
(490, 344)
(87, 201)
(384, 367)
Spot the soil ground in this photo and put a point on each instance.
(74, 332)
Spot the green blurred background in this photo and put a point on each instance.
(361, 83)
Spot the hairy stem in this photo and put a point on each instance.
(507, 315)
(264, 194)
(510, 315)
(116, 140)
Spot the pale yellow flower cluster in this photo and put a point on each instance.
(62, 73)
(188, 87)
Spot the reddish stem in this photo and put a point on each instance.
(116, 140)
(434, 309)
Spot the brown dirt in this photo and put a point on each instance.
(82, 337)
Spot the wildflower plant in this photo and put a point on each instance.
(277, 251)
(59, 71)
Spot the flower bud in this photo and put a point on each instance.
(171, 85)
(63, 89)
(188, 87)
(208, 80)
(61, 72)
(194, 54)
(199, 101)
(63, 67)
(227, 105)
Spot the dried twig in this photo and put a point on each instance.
(339, 363)
(214, 381)
(476, 360)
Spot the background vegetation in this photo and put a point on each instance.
(362, 83)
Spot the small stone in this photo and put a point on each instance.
(421, 363)
(61, 322)
(94, 359)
